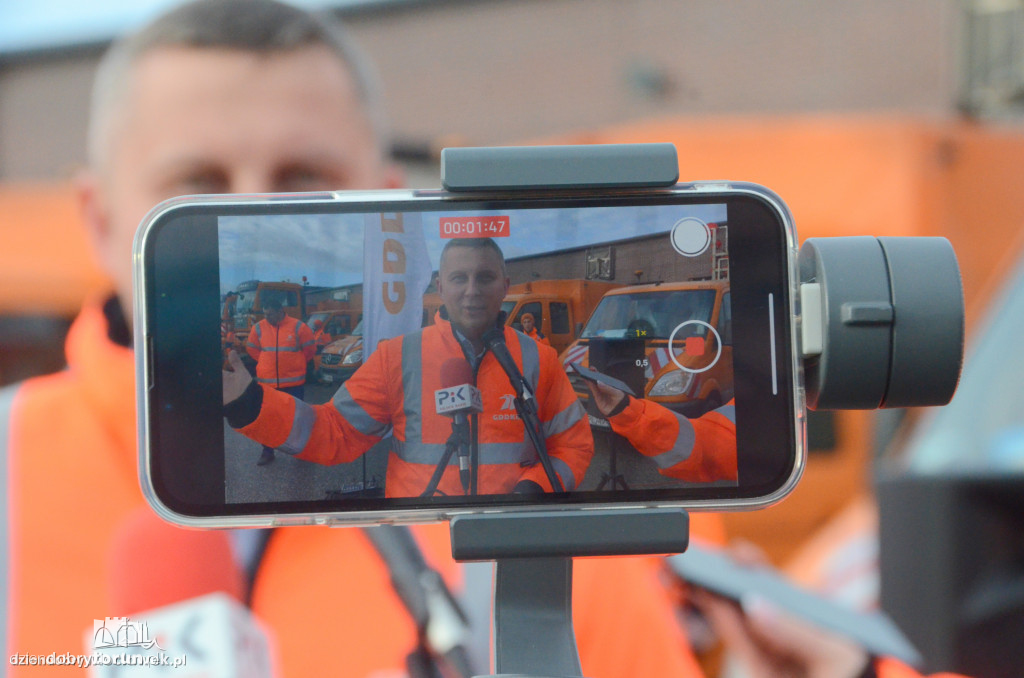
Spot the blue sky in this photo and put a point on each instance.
(45, 24)
(328, 249)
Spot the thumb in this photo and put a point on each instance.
(234, 361)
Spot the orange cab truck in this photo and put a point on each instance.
(686, 329)
(559, 307)
(844, 175)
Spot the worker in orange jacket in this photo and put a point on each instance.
(202, 102)
(375, 401)
(531, 330)
(697, 450)
(282, 346)
(320, 336)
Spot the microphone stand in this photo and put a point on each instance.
(525, 403)
(526, 407)
(460, 436)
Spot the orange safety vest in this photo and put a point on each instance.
(536, 335)
(695, 450)
(281, 352)
(393, 391)
(323, 593)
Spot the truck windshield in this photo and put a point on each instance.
(507, 306)
(245, 301)
(652, 315)
(982, 429)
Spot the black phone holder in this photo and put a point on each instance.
(882, 325)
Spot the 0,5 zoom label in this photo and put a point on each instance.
(475, 227)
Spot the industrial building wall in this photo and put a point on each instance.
(496, 71)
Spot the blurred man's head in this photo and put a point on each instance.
(225, 96)
(274, 312)
(527, 321)
(472, 283)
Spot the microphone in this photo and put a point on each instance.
(175, 597)
(457, 398)
(494, 340)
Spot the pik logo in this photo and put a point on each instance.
(508, 402)
(121, 632)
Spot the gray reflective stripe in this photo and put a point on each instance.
(564, 420)
(302, 428)
(298, 380)
(355, 415)
(531, 361)
(682, 447)
(490, 453)
(412, 386)
(6, 401)
(282, 349)
(565, 473)
(728, 411)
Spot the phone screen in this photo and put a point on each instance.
(357, 324)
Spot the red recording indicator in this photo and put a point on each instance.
(694, 346)
(475, 227)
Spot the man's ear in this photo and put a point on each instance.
(92, 206)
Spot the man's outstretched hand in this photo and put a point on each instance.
(606, 398)
(236, 378)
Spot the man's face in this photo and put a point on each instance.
(527, 321)
(226, 121)
(275, 316)
(472, 287)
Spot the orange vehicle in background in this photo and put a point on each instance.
(559, 307)
(687, 332)
(845, 175)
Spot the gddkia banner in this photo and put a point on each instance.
(397, 272)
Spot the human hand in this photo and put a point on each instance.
(236, 378)
(605, 397)
(768, 643)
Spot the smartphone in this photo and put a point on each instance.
(683, 293)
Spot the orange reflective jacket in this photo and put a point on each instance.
(281, 352)
(537, 336)
(323, 593)
(886, 667)
(696, 450)
(394, 392)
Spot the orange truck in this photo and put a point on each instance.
(686, 328)
(559, 307)
(841, 175)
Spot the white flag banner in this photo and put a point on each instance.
(396, 275)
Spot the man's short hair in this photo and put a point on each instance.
(476, 244)
(272, 304)
(261, 26)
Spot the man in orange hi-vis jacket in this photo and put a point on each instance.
(531, 330)
(281, 347)
(402, 375)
